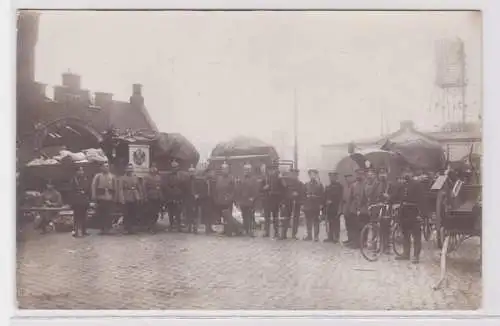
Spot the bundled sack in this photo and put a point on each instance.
(95, 155)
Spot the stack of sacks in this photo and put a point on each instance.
(43, 161)
(95, 155)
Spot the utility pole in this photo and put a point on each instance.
(295, 130)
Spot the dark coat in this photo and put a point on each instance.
(225, 187)
(80, 190)
(175, 186)
(314, 196)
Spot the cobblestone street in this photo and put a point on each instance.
(184, 271)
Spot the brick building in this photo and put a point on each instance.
(74, 115)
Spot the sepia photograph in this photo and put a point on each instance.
(249, 160)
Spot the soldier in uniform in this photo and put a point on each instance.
(357, 206)
(290, 208)
(386, 195)
(410, 195)
(131, 196)
(333, 199)
(105, 194)
(297, 203)
(191, 203)
(174, 190)
(346, 211)
(313, 204)
(207, 192)
(80, 200)
(224, 198)
(246, 194)
(153, 194)
(273, 191)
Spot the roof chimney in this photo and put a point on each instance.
(137, 99)
(72, 81)
(103, 99)
(406, 125)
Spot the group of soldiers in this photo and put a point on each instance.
(209, 197)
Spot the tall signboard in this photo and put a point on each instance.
(140, 158)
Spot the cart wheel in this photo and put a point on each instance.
(397, 240)
(371, 244)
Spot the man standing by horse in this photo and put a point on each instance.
(333, 199)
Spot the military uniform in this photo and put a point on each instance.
(410, 195)
(154, 197)
(193, 202)
(247, 191)
(175, 191)
(290, 208)
(80, 200)
(313, 203)
(105, 192)
(358, 213)
(273, 191)
(131, 196)
(333, 199)
(385, 195)
(224, 198)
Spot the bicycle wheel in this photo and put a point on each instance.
(370, 245)
(397, 240)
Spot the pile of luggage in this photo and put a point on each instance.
(85, 156)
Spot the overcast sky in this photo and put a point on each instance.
(213, 75)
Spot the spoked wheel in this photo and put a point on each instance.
(371, 244)
(397, 239)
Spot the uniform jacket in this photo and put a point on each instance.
(104, 187)
(411, 192)
(225, 187)
(153, 187)
(80, 190)
(357, 198)
(200, 187)
(130, 189)
(275, 189)
(334, 193)
(175, 187)
(314, 196)
(294, 189)
(52, 198)
(372, 192)
(247, 190)
(346, 199)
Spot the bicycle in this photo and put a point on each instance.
(372, 243)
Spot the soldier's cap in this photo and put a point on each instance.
(360, 170)
(382, 170)
(315, 171)
(347, 175)
(333, 173)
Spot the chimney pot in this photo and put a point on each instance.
(72, 81)
(136, 89)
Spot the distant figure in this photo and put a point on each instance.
(153, 194)
(224, 199)
(246, 194)
(80, 199)
(192, 202)
(290, 209)
(333, 199)
(105, 194)
(51, 199)
(273, 193)
(313, 204)
(131, 196)
(174, 186)
(410, 195)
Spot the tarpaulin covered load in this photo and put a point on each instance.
(174, 146)
(244, 146)
(241, 150)
(419, 153)
(375, 158)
